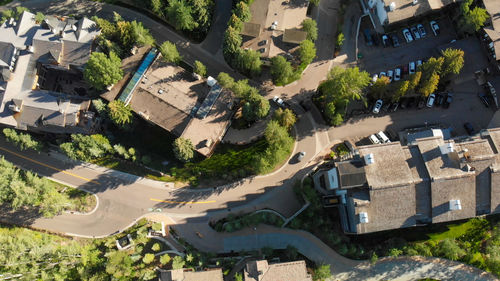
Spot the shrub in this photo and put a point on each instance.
(21, 140)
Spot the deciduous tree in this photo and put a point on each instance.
(169, 52)
(286, 117)
(225, 80)
(183, 149)
(322, 272)
(379, 89)
(307, 52)
(179, 14)
(310, 26)
(200, 68)
(242, 11)
(472, 20)
(430, 85)
(281, 70)
(453, 61)
(120, 113)
(102, 71)
(178, 262)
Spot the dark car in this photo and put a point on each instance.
(448, 100)
(385, 40)
(410, 103)
(368, 37)
(468, 127)
(484, 99)
(395, 40)
(440, 99)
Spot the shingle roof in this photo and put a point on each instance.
(185, 275)
(493, 8)
(6, 54)
(251, 29)
(26, 21)
(286, 271)
(351, 173)
(294, 36)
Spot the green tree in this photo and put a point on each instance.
(225, 80)
(281, 70)
(232, 42)
(276, 136)
(169, 52)
(330, 110)
(39, 17)
(414, 80)
(431, 66)
(141, 35)
(340, 40)
(337, 119)
(401, 90)
(85, 147)
(236, 23)
(307, 52)
(453, 61)
(119, 265)
(472, 20)
(238, 277)
(102, 71)
(291, 252)
(379, 89)
(179, 14)
(242, 11)
(22, 140)
(428, 87)
(345, 83)
(178, 262)
(449, 249)
(183, 149)
(156, 247)
(100, 107)
(310, 26)
(202, 12)
(286, 118)
(256, 107)
(395, 252)
(120, 113)
(148, 258)
(315, 2)
(156, 7)
(248, 62)
(322, 272)
(200, 68)
(164, 259)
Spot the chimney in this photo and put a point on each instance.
(415, 2)
(392, 6)
(369, 159)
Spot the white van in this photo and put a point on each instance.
(374, 139)
(383, 137)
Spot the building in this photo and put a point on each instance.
(286, 271)
(430, 180)
(170, 97)
(390, 12)
(214, 274)
(41, 82)
(491, 35)
(275, 26)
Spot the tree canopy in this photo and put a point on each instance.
(453, 61)
(102, 71)
(183, 149)
(242, 11)
(310, 26)
(281, 70)
(86, 147)
(169, 52)
(200, 68)
(472, 19)
(307, 52)
(179, 14)
(22, 140)
(120, 113)
(286, 118)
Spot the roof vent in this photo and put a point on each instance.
(447, 148)
(369, 159)
(415, 2)
(455, 205)
(363, 217)
(392, 6)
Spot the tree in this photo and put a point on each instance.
(275, 135)
(472, 20)
(19, 11)
(310, 26)
(248, 62)
(119, 265)
(428, 87)
(169, 52)
(286, 117)
(453, 61)
(337, 119)
(322, 272)
(291, 252)
(164, 259)
(120, 113)
(307, 52)
(330, 110)
(340, 40)
(225, 80)
(141, 35)
(155, 247)
(235, 22)
(401, 90)
(414, 80)
(155, 6)
(86, 147)
(379, 89)
(179, 14)
(200, 68)
(238, 277)
(315, 2)
(183, 149)
(449, 249)
(242, 11)
(347, 83)
(202, 12)
(395, 252)
(39, 17)
(102, 71)
(148, 258)
(281, 70)
(178, 262)
(22, 140)
(232, 42)
(431, 66)
(256, 107)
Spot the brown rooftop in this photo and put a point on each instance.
(405, 9)
(189, 275)
(251, 29)
(493, 8)
(294, 36)
(495, 138)
(286, 271)
(389, 168)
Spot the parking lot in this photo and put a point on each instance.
(377, 58)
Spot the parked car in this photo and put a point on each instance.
(301, 156)
(368, 37)
(440, 99)
(279, 101)
(484, 99)
(430, 100)
(448, 100)
(375, 78)
(390, 74)
(385, 40)
(435, 27)
(411, 67)
(421, 30)
(378, 106)
(397, 74)
(415, 32)
(407, 35)
(490, 88)
(374, 139)
(395, 40)
(405, 69)
(383, 138)
(468, 127)
(382, 74)
(419, 63)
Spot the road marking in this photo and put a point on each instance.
(182, 202)
(48, 166)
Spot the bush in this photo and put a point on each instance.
(156, 247)
(87, 147)
(148, 258)
(21, 140)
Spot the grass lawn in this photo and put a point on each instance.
(454, 231)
